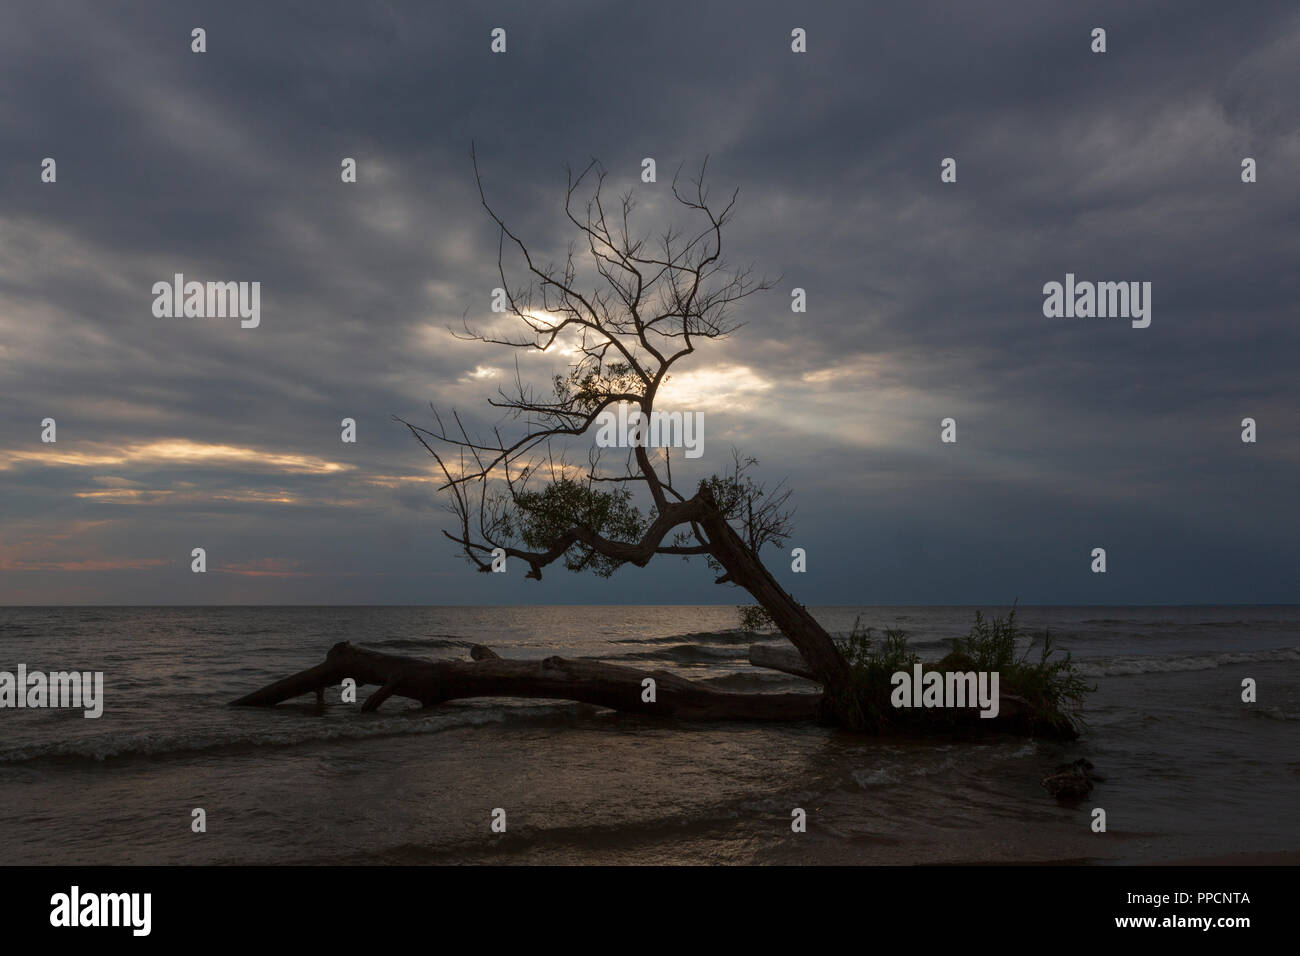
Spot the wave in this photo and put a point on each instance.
(575, 842)
(705, 637)
(441, 640)
(683, 653)
(1127, 666)
(163, 744)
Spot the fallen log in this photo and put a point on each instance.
(556, 678)
(785, 659)
(585, 681)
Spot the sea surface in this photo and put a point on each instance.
(1190, 769)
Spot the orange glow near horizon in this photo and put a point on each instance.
(173, 451)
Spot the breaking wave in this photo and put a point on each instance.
(1125, 666)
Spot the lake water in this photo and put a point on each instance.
(1191, 770)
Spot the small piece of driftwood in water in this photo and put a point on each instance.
(555, 678)
(1072, 781)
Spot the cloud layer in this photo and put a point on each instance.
(924, 298)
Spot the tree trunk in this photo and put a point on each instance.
(557, 678)
(744, 568)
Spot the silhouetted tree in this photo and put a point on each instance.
(645, 309)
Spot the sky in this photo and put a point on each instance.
(924, 298)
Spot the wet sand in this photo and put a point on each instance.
(1277, 858)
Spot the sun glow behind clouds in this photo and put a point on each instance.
(721, 388)
(173, 451)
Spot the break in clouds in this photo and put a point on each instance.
(922, 203)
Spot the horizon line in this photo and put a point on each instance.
(1017, 604)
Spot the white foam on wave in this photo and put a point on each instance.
(873, 778)
(1125, 666)
(307, 731)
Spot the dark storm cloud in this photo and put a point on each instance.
(924, 298)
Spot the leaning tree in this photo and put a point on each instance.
(628, 310)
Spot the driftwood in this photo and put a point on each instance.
(585, 681)
(785, 659)
(1072, 781)
(556, 678)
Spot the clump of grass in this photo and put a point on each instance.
(1052, 689)
(872, 665)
